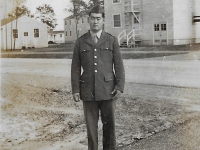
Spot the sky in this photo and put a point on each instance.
(57, 5)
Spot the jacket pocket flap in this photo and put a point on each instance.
(84, 50)
(104, 47)
(109, 77)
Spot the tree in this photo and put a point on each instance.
(80, 8)
(20, 11)
(46, 15)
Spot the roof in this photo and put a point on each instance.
(72, 16)
(54, 32)
(7, 20)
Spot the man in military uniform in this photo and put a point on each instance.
(97, 78)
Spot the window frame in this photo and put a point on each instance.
(156, 27)
(118, 1)
(35, 33)
(163, 28)
(135, 20)
(25, 34)
(117, 20)
(15, 34)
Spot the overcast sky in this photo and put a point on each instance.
(58, 6)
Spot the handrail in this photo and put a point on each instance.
(121, 36)
(130, 35)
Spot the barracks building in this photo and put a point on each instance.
(145, 22)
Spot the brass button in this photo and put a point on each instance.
(95, 56)
(95, 64)
(95, 71)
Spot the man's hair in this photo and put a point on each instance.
(97, 9)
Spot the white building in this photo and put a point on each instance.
(149, 22)
(56, 36)
(23, 32)
(157, 22)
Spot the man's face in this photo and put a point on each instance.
(96, 22)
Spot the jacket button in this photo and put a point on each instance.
(95, 64)
(95, 56)
(95, 71)
(95, 49)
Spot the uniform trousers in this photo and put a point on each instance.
(91, 113)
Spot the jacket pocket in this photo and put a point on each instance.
(85, 55)
(106, 53)
(109, 77)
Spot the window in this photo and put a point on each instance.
(135, 20)
(116, 1)
(70, 22)
(66, 33)
(88, 19)
(82, 20)
(117, 22)
(60, 35)
(156, 27)
(36, 33)
(70, 33)
(25, 33)
(163, 27)
(15, 33)
(65, 22)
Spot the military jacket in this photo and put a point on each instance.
(97, 68)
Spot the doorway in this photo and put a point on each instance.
(160, 34)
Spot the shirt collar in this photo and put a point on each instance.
(98, 33)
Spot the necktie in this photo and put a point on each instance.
(95, 38)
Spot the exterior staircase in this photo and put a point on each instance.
(131, 35)
(129, 40)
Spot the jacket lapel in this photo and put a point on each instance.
(88, 39)
(102, 39)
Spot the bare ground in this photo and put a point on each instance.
(37, 112)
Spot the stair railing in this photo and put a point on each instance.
(121, 36)
(130, 35)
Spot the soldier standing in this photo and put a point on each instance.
(97, 78)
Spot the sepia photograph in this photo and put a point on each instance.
(100, 75)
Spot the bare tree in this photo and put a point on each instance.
(78, 10)
(46, 15)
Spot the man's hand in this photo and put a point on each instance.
(116, 94)
(76, 97)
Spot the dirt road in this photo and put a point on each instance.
(161, 102)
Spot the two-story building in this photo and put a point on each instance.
(145, 22)
(157, 22)
(70, 27)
